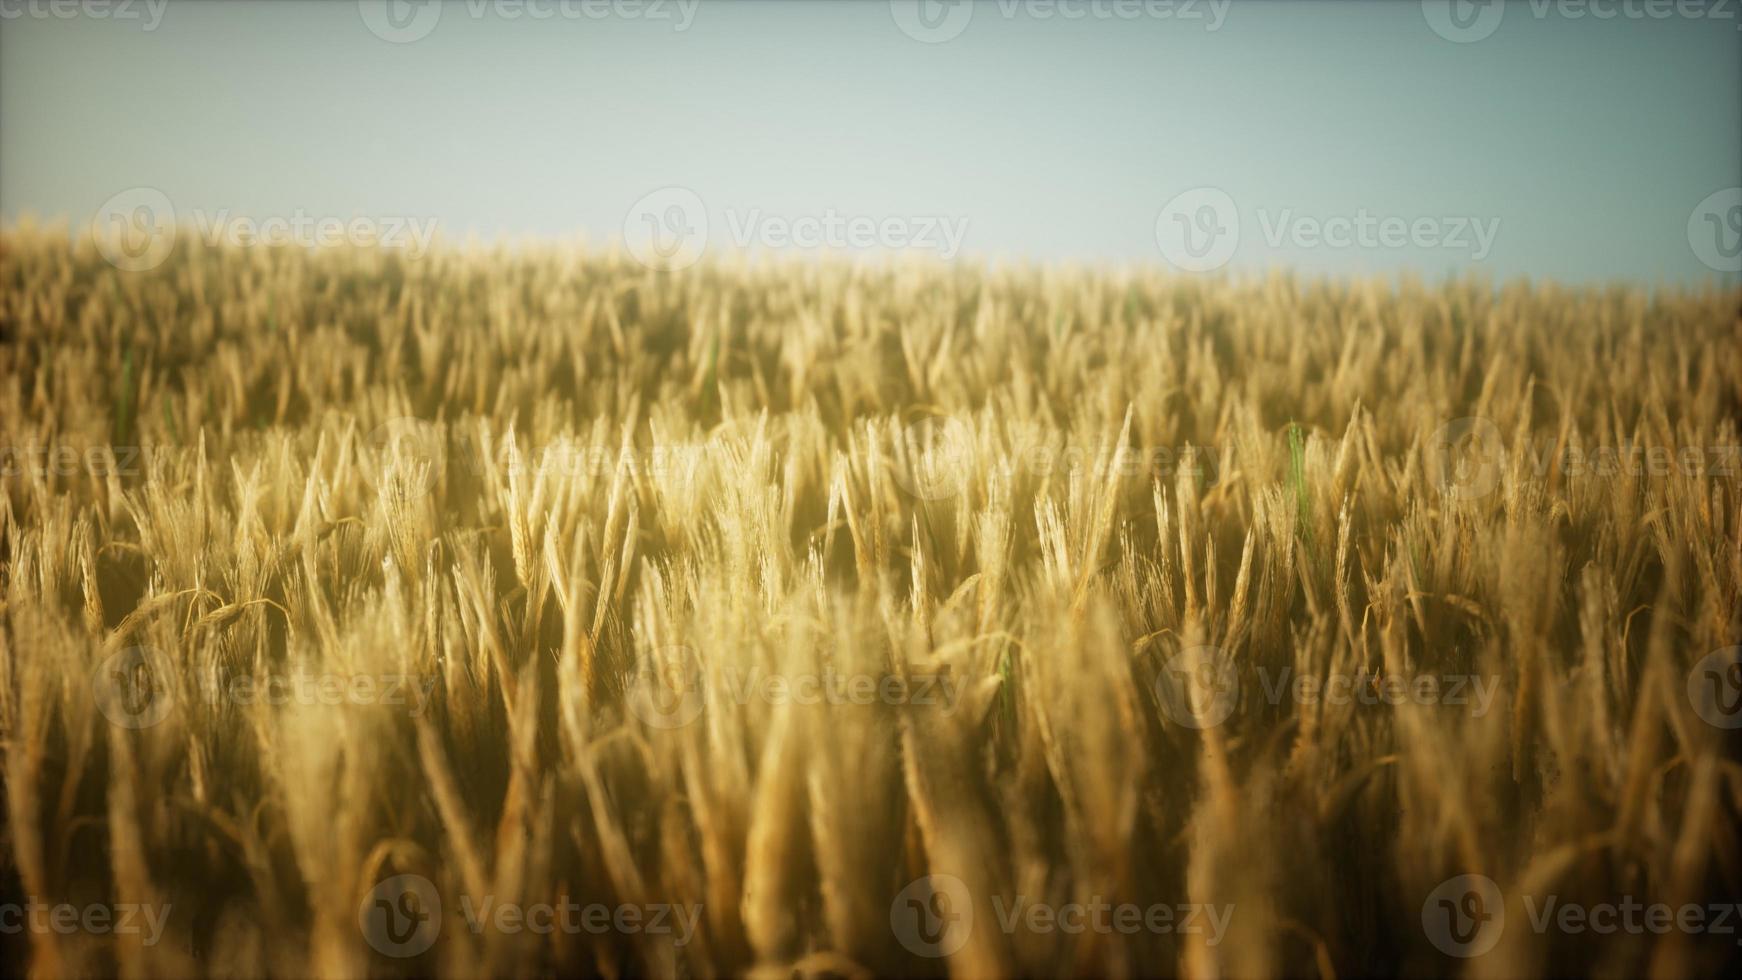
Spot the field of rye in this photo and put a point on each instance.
(509, 612)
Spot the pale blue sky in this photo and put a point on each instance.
(1590, 141)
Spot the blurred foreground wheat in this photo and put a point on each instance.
(859, 619)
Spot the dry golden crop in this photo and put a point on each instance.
(503, 612)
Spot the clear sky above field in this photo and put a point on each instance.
(1539, 139)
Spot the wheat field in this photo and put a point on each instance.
(522, 611)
